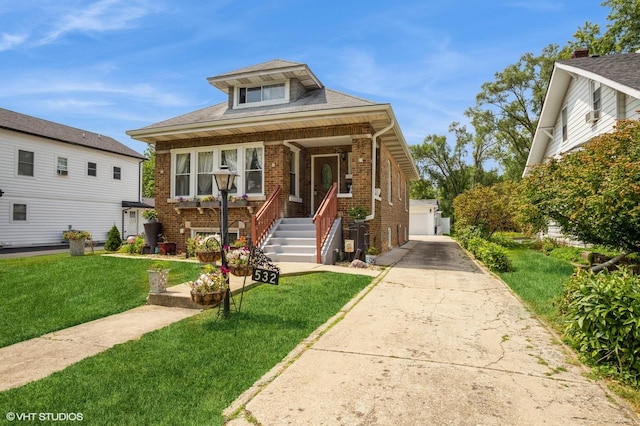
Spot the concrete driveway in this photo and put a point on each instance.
(434, 341)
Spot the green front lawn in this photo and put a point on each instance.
(41, 294)
(188, 372)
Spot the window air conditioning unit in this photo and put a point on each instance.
(592, 116)
(62, 172)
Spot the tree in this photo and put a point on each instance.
(149, 173)
(622, 35)
(488, 208)
(444, 165)
(506, 113)
(423, 189)
(114, 241)
(593, 193)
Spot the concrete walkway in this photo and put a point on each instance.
(436, 341)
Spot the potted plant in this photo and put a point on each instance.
(158, 274)
(358, 214)
(165, 246)
(206, 249)
(76, 241)
(371, 255)
(210, 287)
(239, 201)
(152, 228)
(238, 261)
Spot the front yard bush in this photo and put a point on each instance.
(492, 255)
(602, 314)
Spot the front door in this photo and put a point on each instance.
(325, 173)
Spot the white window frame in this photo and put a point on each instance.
(596, 95)
(236, 94)
(26, 213)
(215, 231)
(33, 163)
(96, 169)
(564, 124)
(62, 169)
(295, 174)
(621, 105)
(216, 150)
(389, 183)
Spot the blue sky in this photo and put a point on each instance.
(109, 66)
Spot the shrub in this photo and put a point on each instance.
(464, 235)
(114, 241)
(492, 255)
(602, 313)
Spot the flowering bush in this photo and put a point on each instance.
(211, 279)
(240, 242)
(76, 235)
(238, 257)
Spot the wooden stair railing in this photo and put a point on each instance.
(265, 217)
(324, 217)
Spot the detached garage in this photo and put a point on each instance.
(424, 217)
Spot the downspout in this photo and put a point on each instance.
(373, 168)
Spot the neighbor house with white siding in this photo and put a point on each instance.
(586, 97)
(55, 177)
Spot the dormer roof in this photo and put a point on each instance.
(267, 72)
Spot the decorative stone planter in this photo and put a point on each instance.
(158, 280)
(77, 247)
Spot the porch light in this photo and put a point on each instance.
(224, 179)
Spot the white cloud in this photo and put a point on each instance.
(104, 15)
(9, 41)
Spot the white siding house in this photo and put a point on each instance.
(54, 177)
(587, 95)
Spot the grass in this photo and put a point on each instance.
(41, 294)
(188, 372)
(538, 280)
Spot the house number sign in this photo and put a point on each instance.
(266, 276)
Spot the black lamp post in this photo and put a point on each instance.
(224, 179)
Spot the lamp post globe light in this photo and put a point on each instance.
(224, 180)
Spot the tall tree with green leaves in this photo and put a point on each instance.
(507, 109)
(444, 164)
(149, 172)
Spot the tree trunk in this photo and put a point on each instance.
(608, 263)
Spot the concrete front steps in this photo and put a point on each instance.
(293, 240)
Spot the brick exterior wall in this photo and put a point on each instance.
(276, 172)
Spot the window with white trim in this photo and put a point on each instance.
(117, 173)
(563, 115)
(399, 186)
(389, 183)
(92, 169)
(205, 161)
(268, 94)
(62, 166)
(595, 95)
(19, 212)
(294, 172)
(26, 161)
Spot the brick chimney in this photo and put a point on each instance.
(580, 53)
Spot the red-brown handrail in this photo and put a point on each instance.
(324, 217)
(262, 221)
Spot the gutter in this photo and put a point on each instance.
(373, 168)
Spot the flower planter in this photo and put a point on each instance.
(210, 204)
(167, 248)
(187, 204)
(151, 232)
(77, 247)
(370, 259)
(241, 271)
(208, 299)
(158, 280)
(208, 256)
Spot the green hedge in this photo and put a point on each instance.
(602, 313)
(492, 255)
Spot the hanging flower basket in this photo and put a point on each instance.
(241, 271)
(208, 299)
(208, 256)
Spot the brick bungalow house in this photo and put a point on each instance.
(304, 155)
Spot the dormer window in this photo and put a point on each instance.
(267, 94)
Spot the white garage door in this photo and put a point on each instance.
(421, 223)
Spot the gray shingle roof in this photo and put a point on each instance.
(315, 100)
(36, 126)
(621, 68)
